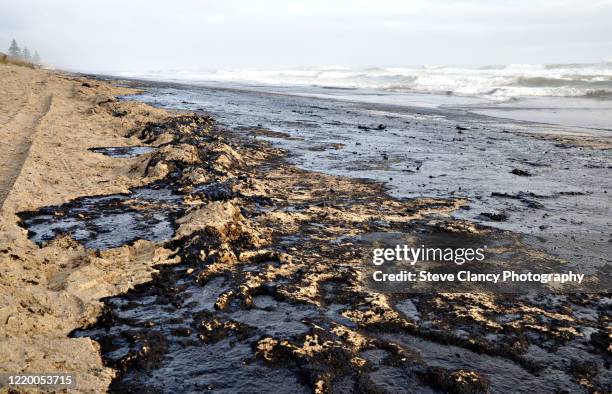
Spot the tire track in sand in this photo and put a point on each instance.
(17, 137)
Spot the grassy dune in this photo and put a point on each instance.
(6, 59)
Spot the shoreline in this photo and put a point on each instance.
(46, 293)
(529, 113)
(519, 177)
(252, 210)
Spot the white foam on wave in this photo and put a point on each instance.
(498, 82)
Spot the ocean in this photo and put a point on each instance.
(574, 95)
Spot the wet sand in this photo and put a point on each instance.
(548, 183)
(256, 270)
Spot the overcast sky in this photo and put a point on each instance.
(206, 34)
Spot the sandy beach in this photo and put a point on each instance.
(146, 245)
(49, 120)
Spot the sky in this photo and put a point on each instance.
(236, 34)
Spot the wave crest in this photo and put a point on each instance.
(601, 94)
(493, 81)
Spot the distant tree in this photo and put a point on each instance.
(26, 55)
(14, 49)
(36, 58)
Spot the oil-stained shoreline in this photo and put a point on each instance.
(270, 279)
(260, 288)
(548, 182)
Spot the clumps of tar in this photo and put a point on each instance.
(270, 263)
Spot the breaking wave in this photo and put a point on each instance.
(601, 94)
(501, 82)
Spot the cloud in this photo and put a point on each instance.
(137, 34)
